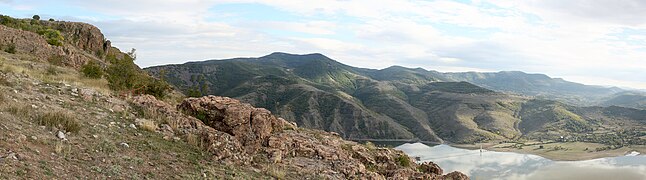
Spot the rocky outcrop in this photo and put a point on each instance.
(82, 35)
(223, 146)
(83, 43)
(250, 126)
(239, 133)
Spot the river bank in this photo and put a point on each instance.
(558, 151)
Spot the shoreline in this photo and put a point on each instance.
(561, 151)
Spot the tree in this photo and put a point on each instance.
(36, 17)
(133, 54)
(51, 19)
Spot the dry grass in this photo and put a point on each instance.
(52, 74)
(193, 139)
(148, 125)
(62, 120)
(61, 148)
(276, 172)
(18, 109)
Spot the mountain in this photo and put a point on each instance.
(72, 106)
(539, 85)
(397, 102)
(626, 99)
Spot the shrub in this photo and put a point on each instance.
(404, 160)
(4, 81)
(18, 109)
(11, 48)
(51, 70)
(36, 17)
(92, 70)
(51, 19)
(124, 75)
(60, 120)
(53, 37)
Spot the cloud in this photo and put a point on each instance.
(574, 39)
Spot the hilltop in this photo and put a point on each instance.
(73, 106)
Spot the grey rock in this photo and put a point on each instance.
(61, 135)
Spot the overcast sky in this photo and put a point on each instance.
(600, 42)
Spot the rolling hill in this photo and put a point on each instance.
(397, 102)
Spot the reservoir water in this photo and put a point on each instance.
(508, 165)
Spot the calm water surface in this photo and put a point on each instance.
(507, 165)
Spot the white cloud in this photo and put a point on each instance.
(570, 39)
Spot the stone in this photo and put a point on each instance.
(431, 168)
(61, 135)
(33, 138)
(21, 138)
(455, 175)
(132, 126)
(125, 145)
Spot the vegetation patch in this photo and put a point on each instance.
(92, 70)
(60, 120)
(124, 75)
(404, 160)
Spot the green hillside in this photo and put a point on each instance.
(393, 103)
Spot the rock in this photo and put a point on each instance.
(455, 175)
(125, 145)
(430, 167)
(61, 135)
(21, 138)
(95, 136)
(237, 133)
(251, 126)
(11, 156)
(33, 138)
(132, 126)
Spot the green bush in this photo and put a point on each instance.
(54, 37)
(11, 48)
(124, 75)
(404, 160)
(36, 17)
(92, 70)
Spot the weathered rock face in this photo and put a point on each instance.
(250, 126)
(29, 42)
(83, 42)
(82, 35)
(223, 146)
(430, 167)
(238, 133)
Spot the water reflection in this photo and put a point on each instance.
(506, 165)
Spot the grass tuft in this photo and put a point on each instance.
(276, 172)
(61, 120)
(148, 125)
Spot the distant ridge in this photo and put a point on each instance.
(398, 102)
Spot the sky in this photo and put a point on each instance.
(601, 42)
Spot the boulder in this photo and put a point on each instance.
(431, 168)
(250, 126)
